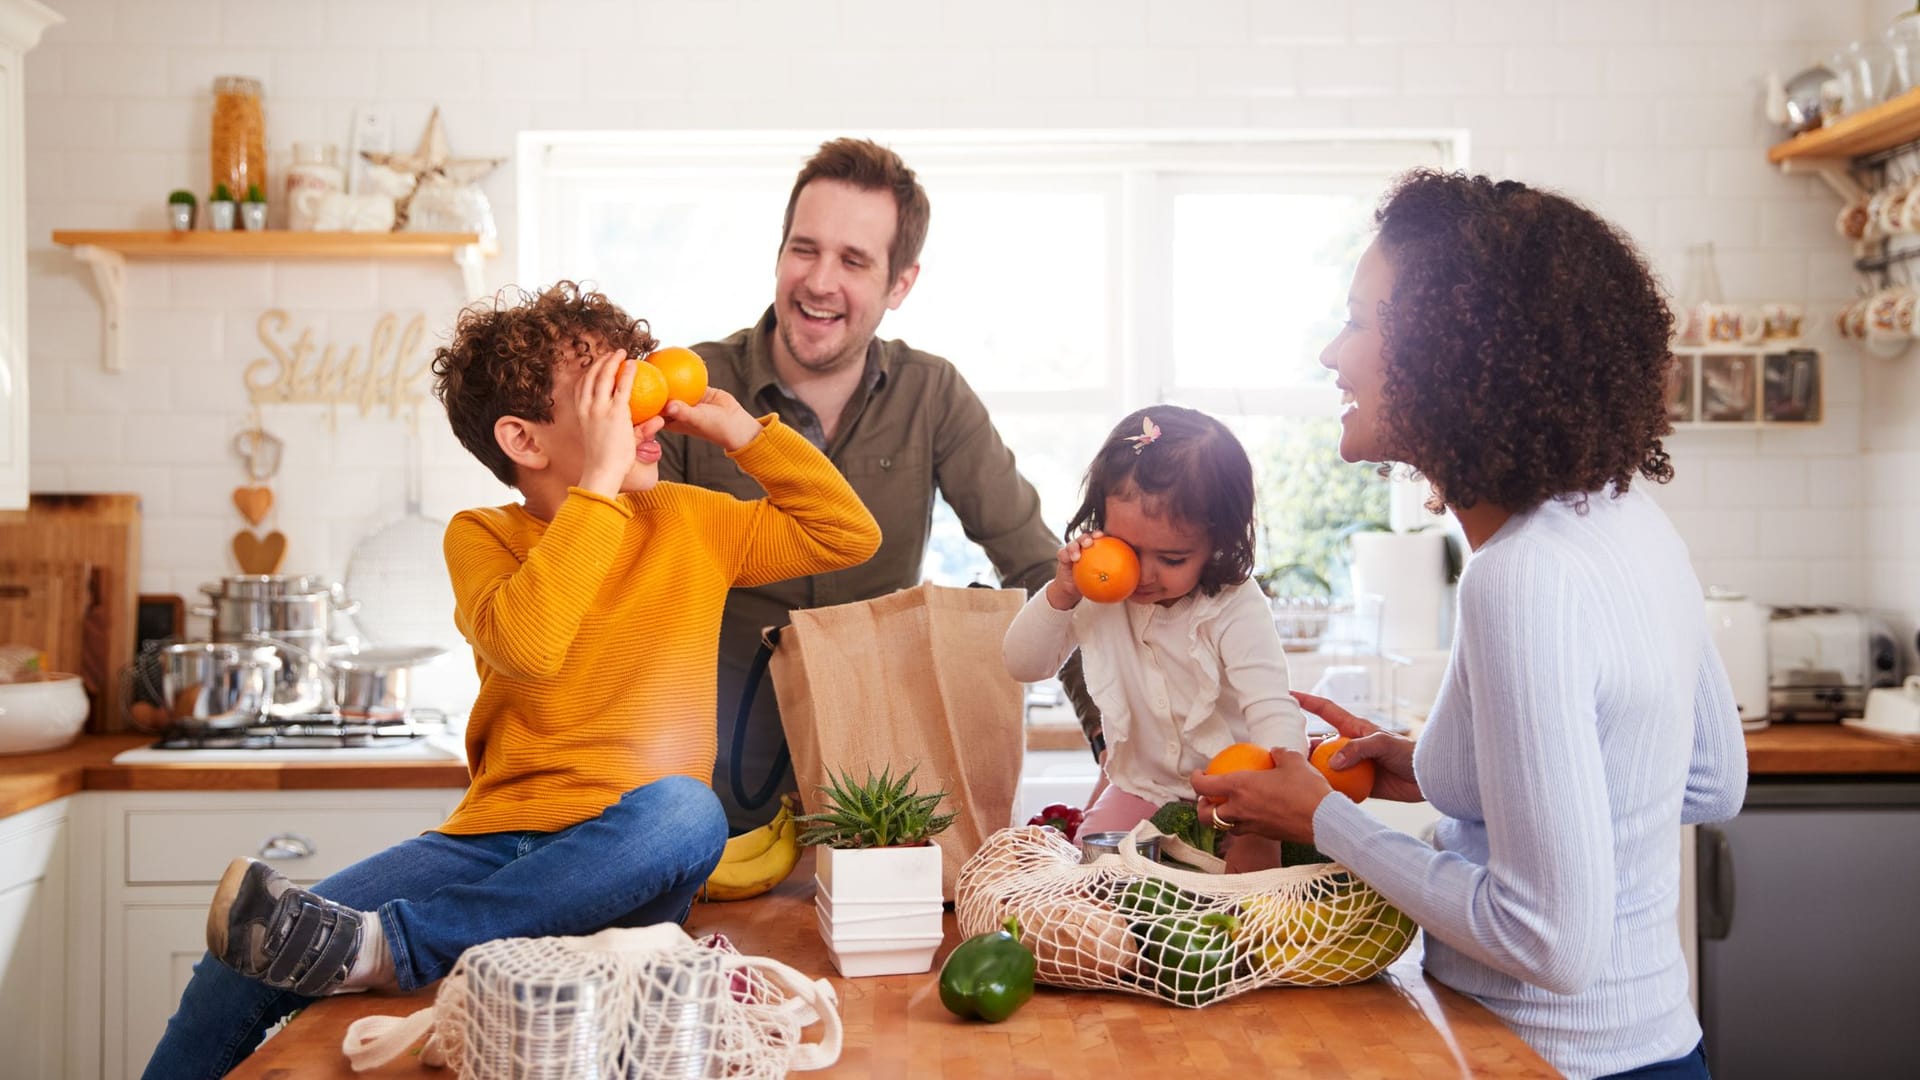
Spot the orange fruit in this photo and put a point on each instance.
(649, 394)
(1355, 781)
(1108, 570)
(686, 373)
(1238, 758)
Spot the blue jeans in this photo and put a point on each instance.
(1691, 1066)
(640, 862)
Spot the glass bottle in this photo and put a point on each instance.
(239, 145)
(1700, 295)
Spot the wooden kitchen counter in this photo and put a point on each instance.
(1398, 1025)
(28, 780)
(1790, 749)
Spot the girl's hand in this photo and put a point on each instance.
(1276, 803)
(1062, 593)
(718, 419)
(607, 433)
(1392, 755)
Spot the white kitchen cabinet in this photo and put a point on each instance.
(33, 934)
(161, 854)
(21, 24)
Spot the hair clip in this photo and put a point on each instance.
(1149, 431)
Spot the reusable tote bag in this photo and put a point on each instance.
(910, 679)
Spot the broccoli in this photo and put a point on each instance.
(1180, 819)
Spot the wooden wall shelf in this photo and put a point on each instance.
(106, 252)
(1867, 131)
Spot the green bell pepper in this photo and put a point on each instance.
(1144, 898)
(988, 976)
(1190, 959)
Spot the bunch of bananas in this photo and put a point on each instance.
(756, 861)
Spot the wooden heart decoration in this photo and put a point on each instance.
(259, 554)
(253, 503)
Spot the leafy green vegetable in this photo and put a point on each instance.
(1180, 819)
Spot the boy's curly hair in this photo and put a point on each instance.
(502, 356)
(1527, 344)
(1196, 472)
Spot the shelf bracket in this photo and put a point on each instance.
(469, 257)
(1833, 172)
(110, 278)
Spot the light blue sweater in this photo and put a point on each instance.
(1584, 717)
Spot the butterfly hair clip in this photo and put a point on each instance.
(1149, 431)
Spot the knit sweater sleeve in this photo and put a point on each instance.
(522, 616)
(1254, 664)
(1039, 640)
(1717, 769)
(810, 522)
(1541, 909)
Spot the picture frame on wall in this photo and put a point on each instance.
(1729, 388)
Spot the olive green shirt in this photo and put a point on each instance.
(913, 428)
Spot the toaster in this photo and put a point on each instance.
(1822, 661)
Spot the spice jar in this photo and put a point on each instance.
(314, 174)
(239, 155)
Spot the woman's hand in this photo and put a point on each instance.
(718, 419)
(1392, 755)
(1062, 592)
(607, 433)
(1277, 803)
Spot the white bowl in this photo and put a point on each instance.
(43, 714)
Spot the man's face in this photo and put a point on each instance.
(831, 284)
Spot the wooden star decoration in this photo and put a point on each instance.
(430, 160)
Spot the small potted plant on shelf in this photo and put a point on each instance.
(220, 209)
(253, 212)
(180, 208)
(877, 882)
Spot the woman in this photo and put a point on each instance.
(1513, 348)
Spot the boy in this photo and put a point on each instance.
(593, 607)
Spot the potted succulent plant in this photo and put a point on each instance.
(253, 212)
(180, 208)
(877, 881)
(220, 209)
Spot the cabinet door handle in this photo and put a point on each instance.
(1714, 876)
(288, 845)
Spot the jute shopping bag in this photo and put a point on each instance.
(910, 679)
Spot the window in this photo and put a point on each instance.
(1071, 276)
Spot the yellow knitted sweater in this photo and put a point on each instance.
(595, 634)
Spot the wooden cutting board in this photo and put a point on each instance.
(43, 604)
(101, 532)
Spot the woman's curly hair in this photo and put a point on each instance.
(502, 356)
(1526, 344)
(1195, 471)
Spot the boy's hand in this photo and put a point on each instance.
(718, 418)
(1062, 592)
(607, 433)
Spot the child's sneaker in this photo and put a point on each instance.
(265, 927)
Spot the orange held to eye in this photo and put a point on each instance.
(686, 373)
(1239, 757)
(649, 394)
(1108, 570)
(1355, 781)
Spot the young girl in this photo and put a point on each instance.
(1190, 663)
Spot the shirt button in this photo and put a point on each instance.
(886, 463)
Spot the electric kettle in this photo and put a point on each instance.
(1738, 627)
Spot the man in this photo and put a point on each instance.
(899, 423)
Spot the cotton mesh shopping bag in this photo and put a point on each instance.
(913, 679)
(1125, 922)
(644, 1003)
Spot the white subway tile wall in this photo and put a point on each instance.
(1649, 111)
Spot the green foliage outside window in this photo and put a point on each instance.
(1308, 502)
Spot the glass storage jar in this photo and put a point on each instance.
(314, 174)
(239, 145)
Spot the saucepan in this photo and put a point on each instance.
(211, 685)
(363, 682)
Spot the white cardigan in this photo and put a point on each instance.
(1175, 684)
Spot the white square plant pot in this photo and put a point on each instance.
(898, 881)
(863, 874)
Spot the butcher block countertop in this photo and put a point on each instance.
(28, 780)
(1398, 1025)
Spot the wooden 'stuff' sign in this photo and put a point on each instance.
(388, 372)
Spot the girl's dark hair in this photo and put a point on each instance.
(500, 361)
(1195, 472)
(1527, 344)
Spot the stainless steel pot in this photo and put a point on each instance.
(374, 683)
(261, 586)
(217, 684)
